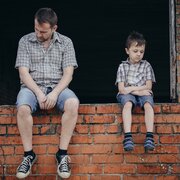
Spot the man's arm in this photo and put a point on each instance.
(63, 83)
(30, 83)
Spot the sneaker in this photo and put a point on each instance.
(24, 168)
(149, 144)
(63, 169)
(128, 144)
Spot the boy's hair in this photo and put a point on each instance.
(46, 15)
(135, 37)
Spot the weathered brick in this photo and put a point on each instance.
(96, 148)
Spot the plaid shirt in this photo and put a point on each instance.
(135, 74)
(45, 66)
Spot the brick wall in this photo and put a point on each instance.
(96, 147)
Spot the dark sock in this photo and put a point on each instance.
(62, 152)
(128, 134)
(149, 134)
(27, 153)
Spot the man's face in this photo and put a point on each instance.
(135, 52)
(43, 31)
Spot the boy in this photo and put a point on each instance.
(134, 78)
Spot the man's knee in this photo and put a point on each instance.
(71, 105)
(23, 110)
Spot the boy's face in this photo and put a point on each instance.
(135, 52)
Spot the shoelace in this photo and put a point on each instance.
(64, 164)
(24, 165)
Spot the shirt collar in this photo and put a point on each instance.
(128, 62)
(57, 38)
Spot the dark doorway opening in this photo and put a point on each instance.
(98, 30)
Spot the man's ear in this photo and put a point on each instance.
(55, 27)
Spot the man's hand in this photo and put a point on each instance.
(51, 100)
(42, 99)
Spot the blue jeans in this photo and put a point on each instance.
(136, 100)
(27, 97)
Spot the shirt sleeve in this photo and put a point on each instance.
(22, 58)
(120, 77)
(69, 58)
(150, 73)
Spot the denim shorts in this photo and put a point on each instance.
(136, 100)
(27, 97)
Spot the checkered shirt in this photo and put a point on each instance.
(45, 66)
(135, 74)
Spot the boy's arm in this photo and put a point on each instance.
(125, 90)
(136, 90)
(143, 90)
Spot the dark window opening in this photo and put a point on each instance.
(98, 30)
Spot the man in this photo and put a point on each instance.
(46, 62)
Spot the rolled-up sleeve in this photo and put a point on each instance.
(69, 58)
(22, 58)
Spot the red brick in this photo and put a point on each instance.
(51, 139)
(119, 169)
(7, 120)
(141, 158)
(175, 169)
(87, 109)
(80, 159)
(167, 177)
(107, 139)
(85, 169)
(4, 110)
(107, 159)
(45, 169)
(6, 150)
(152, 169)
(52, 149)
(100, 119)
(106, 177)
(164, 129)
(113, 128)
(3, 130)
(41, 119)
(97, 129)
(164, 149)
(138, 177)
(13, 130)
(170, 139)
(169, 158)
(80, 177)
(108, 109)
(81, 139)
(10, 140)
(176, 129)
(82, 129)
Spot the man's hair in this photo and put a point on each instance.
(46, 15)
(135, 37)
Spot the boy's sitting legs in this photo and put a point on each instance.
(149, 121)
(127, 121)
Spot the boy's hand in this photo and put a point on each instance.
(145, 93)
